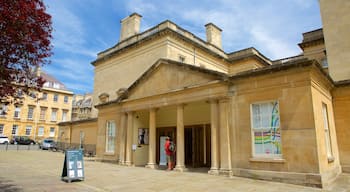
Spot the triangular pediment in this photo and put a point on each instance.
(168, 76)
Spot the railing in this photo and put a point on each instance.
(89, 150)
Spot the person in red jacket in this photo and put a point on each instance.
(169, 154)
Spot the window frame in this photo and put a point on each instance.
(14, 130)
(253, 130)
(65, 99)
(17, 112)
(55, 97)
(2, 127)
(110, 138)
(52, 133)
(30, 114)
(328, 137)
(30, 128)
(41, 131)
(54, 117)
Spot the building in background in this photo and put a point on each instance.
(82, 107)
(37, 115)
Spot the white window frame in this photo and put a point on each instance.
(328, 139)
(42, 113)
(41, 131)
(52, 133)
(2, 129)
(55, 98)
(110, 136)
(54, 114)
(17, 112)
(14, 130)
(64, 115)
(30, 112)
(28, 127)
(44, 96)
(65, 99)
(253, 130)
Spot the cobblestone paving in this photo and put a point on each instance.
(41, 171)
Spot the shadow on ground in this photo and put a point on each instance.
(7, 186)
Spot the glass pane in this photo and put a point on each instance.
(258, 142)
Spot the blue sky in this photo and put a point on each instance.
(82, 28)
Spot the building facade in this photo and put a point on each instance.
(236, 113)
(37, 115)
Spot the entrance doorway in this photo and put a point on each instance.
(197, 146)
(162, 132)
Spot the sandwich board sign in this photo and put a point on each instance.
(73, 167)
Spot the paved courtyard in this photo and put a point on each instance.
(33, 170)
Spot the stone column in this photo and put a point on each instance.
(214, 124)
(180, 139)
(225, 147)
(129, 140)
(152, 139)
(123, 139)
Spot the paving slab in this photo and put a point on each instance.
(41, 171)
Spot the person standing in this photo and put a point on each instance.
(169, 153)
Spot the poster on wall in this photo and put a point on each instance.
(143, 136)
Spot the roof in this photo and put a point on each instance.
(168, 27)
(77, 122)
(52, 82)
(311, 38)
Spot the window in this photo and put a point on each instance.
(64, 115)
(56, 85)
(30, 112)
(54, 115)
(42, 113)
(44, 96)
(41, 131)
(66, 99)
(17, 112)
(14, 129)
(3, 109)
(110, 136)
(52, 132)
(1, 129)
(28, 130)
(55, 97)
(326, 131)
(266, 130)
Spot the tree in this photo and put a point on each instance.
(25, 45)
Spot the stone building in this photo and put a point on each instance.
(236, 113)
(37, 115)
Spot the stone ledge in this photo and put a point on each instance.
(267, 160)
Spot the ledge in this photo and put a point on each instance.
(267, 160)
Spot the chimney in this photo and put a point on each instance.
(213, 35)
(130, 26)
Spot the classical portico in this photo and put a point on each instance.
(155, 103)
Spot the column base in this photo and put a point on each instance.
(225, 172)
(151, 166)
(128, 163)
(213, 171)
(180, 168)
